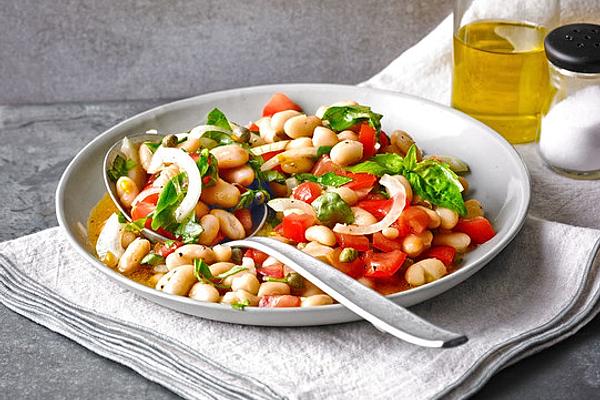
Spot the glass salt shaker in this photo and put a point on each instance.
(570, 135)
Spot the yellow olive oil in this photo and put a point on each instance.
(500, 76)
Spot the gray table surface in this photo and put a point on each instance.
(37, 143)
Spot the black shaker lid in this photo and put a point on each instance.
(575, 47)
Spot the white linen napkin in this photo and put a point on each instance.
(541, 289)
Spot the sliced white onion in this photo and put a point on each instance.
(269, 147)
(109, 240)
(144, 194)
(397, 193)
(281, 205)
(170, 155)
(200, 130)
(294, 153)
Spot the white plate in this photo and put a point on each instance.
(499, 179)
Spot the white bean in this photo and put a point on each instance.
(127, 190)
(267, 133)
(425, 271)
(222, 252)
(243, 175)
(279, 119)
(222, 194)
(347, 152)
(316, 300)
(178, 281)
(130, 260)
(145, 155)
(449, 218)
(221, 267)
(434, 218)
(348, 195)
(230, 156)
(187, 253)
(240, 296)
(321, 234)
(310, 289)
(324, 137)
(301, 125)
(204, 292)
(300, 143)
(347, 135)
(474, 209)
(230, 225)
(210, 229)
(273, 288)
(362, 216)
(247, 282)
(460, 241)
(201, 210)
(390, 232)
(413, 245)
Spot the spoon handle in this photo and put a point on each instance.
(358, 298)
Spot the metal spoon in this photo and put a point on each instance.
(259, 213)
(358, 298)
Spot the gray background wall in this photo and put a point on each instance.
(68, 50)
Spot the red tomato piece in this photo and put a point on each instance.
(245, 217)
(379, 208)
(384, 141)
(360, 180)
(279, 102)
(368, 137)
(253, 127)
(280, 301)
(294, 226)
(325, 165)
(382, 243)
(164, 250)
(357, 242)
(273, 270)
(307, 192)
(413, 219)
(355, 269)
(443, 253)
(258, 256)
(383, 265)
(142, 209)
(267, 156)
(479, 229)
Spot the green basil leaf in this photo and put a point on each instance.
(328, 179)
(370, 167)
(438, 184)
(153, 259)
(120, 167)
(217, 118)
(410, 160)
(232, 271)
(323, 150)
(208, 166)
(221, 138)
(121, 218)
(249, 197)
(202, 271)
(137, 225)
(152, 146)
(189, 230)
(331, 209)
(381, 164)
(342, 118)
(273, 176)
(240, 305)
(168, 201)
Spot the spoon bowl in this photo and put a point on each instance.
(259, 213)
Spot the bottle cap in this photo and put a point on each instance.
(574, 47)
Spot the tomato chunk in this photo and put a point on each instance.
(357, 242)
(382, 243)
(258, 256)
(280, 301)
(384, 265)
(355, 269)
(413, 219)
(360, 180)
(274, 270)
(325, 165)
(479, 229)
(384, 141)
(307, 192)
(368, 137)
(294, 226)
(279, 102)
(443, 253)
(379, 208)
(165, 249)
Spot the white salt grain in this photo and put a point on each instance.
(570, 137)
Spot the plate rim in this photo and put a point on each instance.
(452, 279)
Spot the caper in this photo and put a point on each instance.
(236, 255)
(170, 141)
(348, 255)
(242, 134)
(295, 280)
